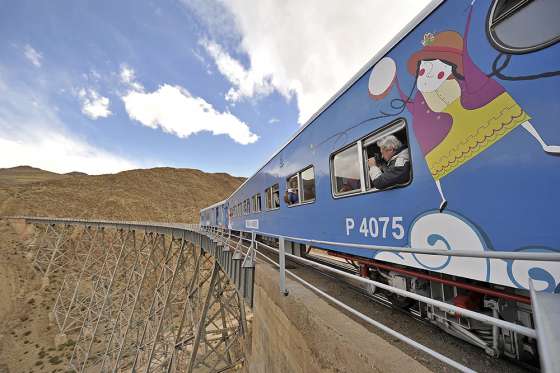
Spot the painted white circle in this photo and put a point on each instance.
(445, 231)
(382, 76)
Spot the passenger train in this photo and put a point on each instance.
(471, 91)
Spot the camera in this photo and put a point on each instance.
(378, 159)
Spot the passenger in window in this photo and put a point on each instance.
(394, 167)
(275, 199)
(292, 194)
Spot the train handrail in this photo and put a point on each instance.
(506, 255)
(449, 307)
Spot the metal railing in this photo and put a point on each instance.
(494, 321)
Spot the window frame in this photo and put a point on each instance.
(333, 176)
(500, 45)
(371, 137)
(256, 203)
(269, 198)
(277, 185)
(300, 187)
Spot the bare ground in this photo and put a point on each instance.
(26, 336)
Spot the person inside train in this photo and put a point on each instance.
(292, 194)
(275, 199)
(392, 167)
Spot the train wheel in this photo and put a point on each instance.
(399, 301)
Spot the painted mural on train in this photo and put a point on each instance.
(476, 115)
(459, 111)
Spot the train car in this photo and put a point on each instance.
(215, 215)
(448, 139)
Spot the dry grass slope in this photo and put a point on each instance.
(158, 194)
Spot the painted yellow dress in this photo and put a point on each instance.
(473, 131)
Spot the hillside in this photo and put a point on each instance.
(25, 174)
(158, 194)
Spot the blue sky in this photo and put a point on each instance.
(105, 86)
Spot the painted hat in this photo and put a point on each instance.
(445, 46)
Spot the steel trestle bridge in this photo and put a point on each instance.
(145, 297)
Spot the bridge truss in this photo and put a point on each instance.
(146, 297)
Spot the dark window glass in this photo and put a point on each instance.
(520, 26)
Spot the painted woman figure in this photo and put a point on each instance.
(458, 111)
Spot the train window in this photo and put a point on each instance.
(308, 185)
(267, 199)
(275, 196)
(362, 166)
(256, 203)
(521, 26)
(291, 196)
(346, 171)
(272, 197)
(394, 137)
(300, 188)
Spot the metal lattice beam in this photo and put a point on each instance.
(141, 299)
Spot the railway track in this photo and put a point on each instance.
(378, 298)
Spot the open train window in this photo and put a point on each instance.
(393, 136)
(292, 194)
(378, 161)
(522, 26)
(272, 197)
(256, 203)
(300, 188)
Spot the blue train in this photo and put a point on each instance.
(448, 138)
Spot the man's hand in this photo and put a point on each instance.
(371, 162)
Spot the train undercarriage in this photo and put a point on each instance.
(511, 305)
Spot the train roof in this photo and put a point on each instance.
(214, 205)
(428, 9)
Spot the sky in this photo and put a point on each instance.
(105, 86)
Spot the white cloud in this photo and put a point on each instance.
(128, 77)
(273, 120)
(176, 111)
(34, 135)
(32, 55)
(60, 153)
(246, 83)
(93, 104)
(308, 48)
